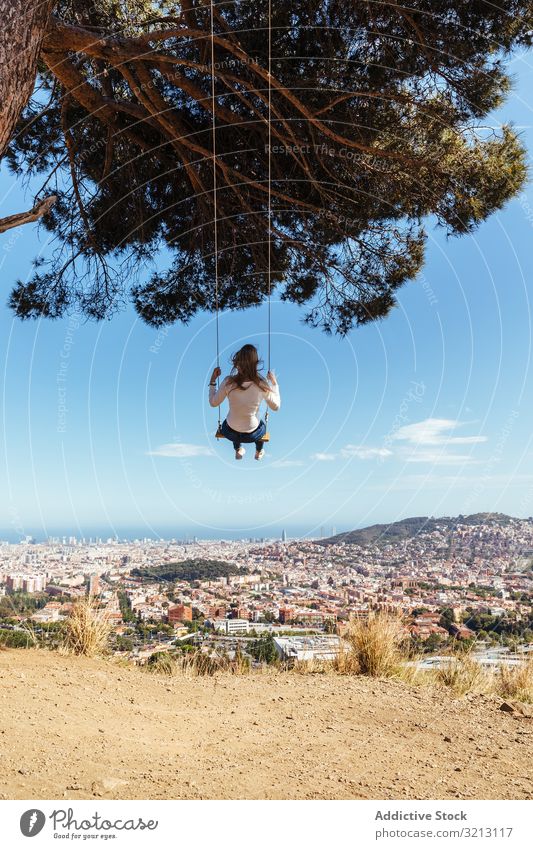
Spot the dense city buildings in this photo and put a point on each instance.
(453, 568)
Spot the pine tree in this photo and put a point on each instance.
(377, 128)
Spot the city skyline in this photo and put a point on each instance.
(130, 536)
(100, 537)
(477, 566)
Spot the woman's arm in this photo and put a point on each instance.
(216, 396)
(273, 398)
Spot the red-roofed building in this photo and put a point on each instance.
(179, 613)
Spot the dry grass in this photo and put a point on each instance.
(240, 665)
(376, 649)
(345, 662)
(202, 664)
(196, 664)
(29, 629)
(375, 646)
(411, 674)
(308, 667)
(464, 675)
(161, 663)
(515, 682)
(87, 629)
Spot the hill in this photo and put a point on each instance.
(188, 570)
(408, 528)
(75, 728)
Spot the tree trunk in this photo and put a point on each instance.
(23, 27)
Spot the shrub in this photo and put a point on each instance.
(201, 663)
(264, 649)
(346, 661)
(463, 674)
(516, 682)
(377, 645)
(87, 629)
(162, 663)
(22, 638)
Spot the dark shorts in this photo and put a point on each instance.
(238, 438)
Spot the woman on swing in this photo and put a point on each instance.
(245, 388)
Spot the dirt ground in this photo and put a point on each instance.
(78, 729)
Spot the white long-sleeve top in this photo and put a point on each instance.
(244, 403)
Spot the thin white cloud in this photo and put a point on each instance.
(440, 458)
(286, 464)
(427, 442)
(181, 450)
(435, 432)
(423, 442)
(363, 452)
(359, 452)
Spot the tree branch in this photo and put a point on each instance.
(40, 209)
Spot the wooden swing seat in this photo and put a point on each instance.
(220, 435)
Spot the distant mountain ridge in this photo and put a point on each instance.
(409, 528)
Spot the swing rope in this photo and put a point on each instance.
(269, 237)
(215, 191)
(215, 197)
(269, 244)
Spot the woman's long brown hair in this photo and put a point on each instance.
(246, 365)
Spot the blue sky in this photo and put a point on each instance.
(106, 428)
